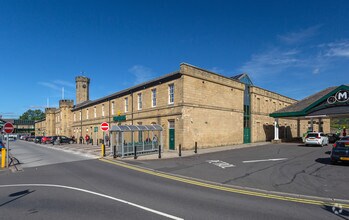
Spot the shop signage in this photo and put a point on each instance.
(340, 96)
(119, 118)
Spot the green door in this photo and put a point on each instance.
(172, 139)
(247, 135)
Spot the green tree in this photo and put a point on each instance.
(32, 115)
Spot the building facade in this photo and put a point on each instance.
(192, 105)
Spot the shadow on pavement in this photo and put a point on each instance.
(327, 161)
(18, 195)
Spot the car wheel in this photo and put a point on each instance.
(71, 142)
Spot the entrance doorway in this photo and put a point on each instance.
(171, 134)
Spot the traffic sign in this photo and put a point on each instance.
(104, 126)
(8, 128)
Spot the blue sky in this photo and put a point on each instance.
(294, 48)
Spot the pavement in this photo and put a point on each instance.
(94, 151)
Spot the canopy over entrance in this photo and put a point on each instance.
(329, 103)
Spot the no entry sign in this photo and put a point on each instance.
(104, 126)
(8, 128)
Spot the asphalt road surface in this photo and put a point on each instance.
(94, 189)
(289, 168)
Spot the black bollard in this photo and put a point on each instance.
(135, 156)
(114, 151)
(196, 148)
(159, 151)
(180, 150)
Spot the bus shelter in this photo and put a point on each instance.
(145, 138)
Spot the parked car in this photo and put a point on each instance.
(62, 140)
(332, 137)
(37, 139)
(30, 138)
(340, 151)
(316, 138)
(46, 140)
(345, 138)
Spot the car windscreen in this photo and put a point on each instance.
(312, 135)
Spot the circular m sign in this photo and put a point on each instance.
(340, 96)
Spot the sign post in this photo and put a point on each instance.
(8, 129)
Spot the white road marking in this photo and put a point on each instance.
(220, 163)
(97, 194)
(255, 161)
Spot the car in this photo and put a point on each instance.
(340, 151)
(46, 139)
(316, 138)
(332, 137)
(62, 140)
(30, 138)
(345, 138)
(37, 139)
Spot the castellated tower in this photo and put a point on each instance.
(65, 117)
(50, 121)
(82, 89)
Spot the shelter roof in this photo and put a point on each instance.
(136, 128)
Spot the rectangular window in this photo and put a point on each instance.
(95, 112)
(80, 115)
(153, 97)
(140, 101)
(171, 94)
(126, 104)
(112, 108)
(86, 113)
(74, 116)
(103, 110)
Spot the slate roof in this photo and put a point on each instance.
(305, 106)
(302, 104)
(156, 81)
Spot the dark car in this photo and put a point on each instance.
(332, 138)
(37, 139)
(62, 140)
(46, 140)
(340, 151)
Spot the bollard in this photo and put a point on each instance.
(196, 148)
(135, 153)
(114, 151)
(180, 150)
(3, 157)
(159, 151)
(103, 150)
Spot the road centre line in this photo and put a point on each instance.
(296, 198)
(97, 194)
(265, 160)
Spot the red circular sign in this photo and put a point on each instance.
(105, 126)
(8, 128)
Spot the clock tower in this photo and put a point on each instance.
(82, 89)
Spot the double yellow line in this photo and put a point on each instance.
(230, 189)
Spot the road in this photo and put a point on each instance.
(83, 188)
(289, 168)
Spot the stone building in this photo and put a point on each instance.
(191, 104)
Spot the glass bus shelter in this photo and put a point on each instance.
(145, 138)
